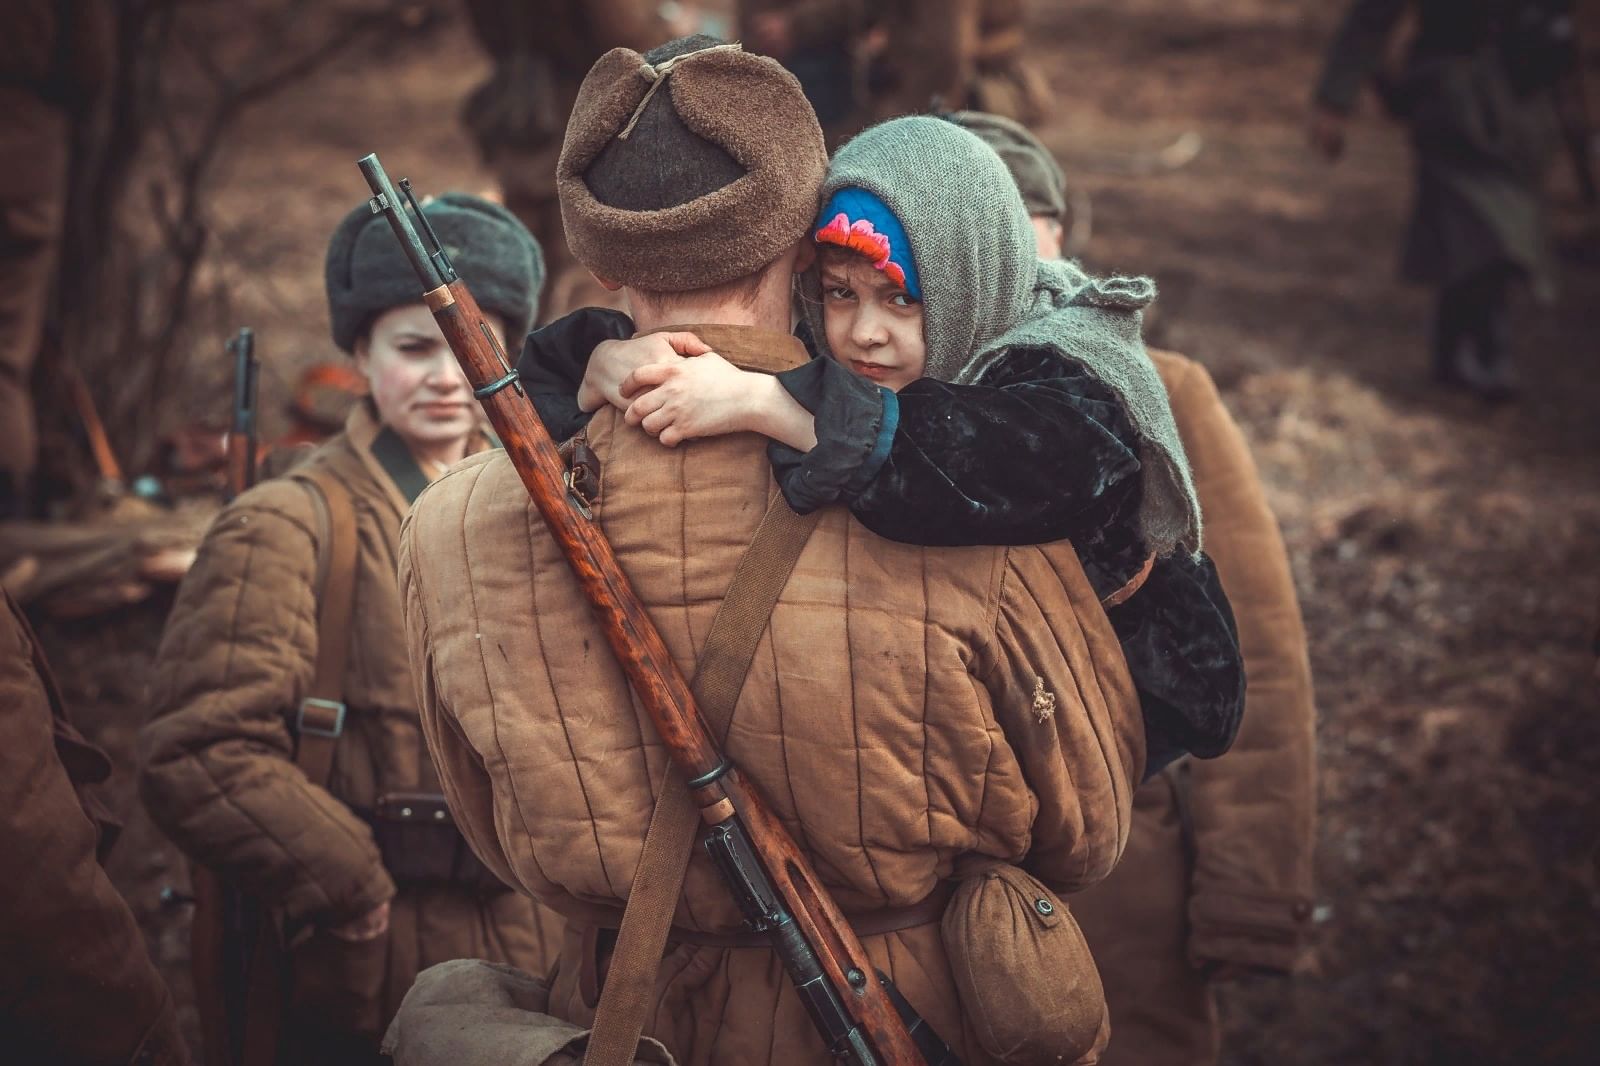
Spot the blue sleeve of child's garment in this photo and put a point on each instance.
(554, 358)
(886, 431)
(1036, 451)
(855, 424)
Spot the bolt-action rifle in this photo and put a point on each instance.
(242, 432)
(234, 953)
(862, 1018)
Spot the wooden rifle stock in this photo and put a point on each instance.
(719, 789)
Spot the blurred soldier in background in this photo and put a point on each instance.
(1474, 90)
(826, 45)
(57, 56)
(518, 116)
(999, 79)
(1216, 880)
(900, 57)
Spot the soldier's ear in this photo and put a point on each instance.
(606, 283)
(806, 255)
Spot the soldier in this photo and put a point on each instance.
(77, 986)
(284, 750)
(56, 59)
(1472, 93)
(541, 53)
(1216, 881)
(1003, 81)
(914, 715)
(827, 45)
(861, 63)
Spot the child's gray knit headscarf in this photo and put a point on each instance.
(984, 291)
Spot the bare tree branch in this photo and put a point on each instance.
(130, 278)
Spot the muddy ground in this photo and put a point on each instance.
(1445, 551)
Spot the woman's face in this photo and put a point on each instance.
(416, 383)
(874, 326)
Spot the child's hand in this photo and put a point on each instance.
(682, 399)
(612, 361)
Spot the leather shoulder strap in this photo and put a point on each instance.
(730, 647)
(319, 720)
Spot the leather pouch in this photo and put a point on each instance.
(421, 845)
(1027, 981)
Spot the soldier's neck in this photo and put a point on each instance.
(770, 308)
(723, 314)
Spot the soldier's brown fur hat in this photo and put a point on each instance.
(689, 166)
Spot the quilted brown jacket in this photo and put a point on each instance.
(910, 709)
(1219, 867)
(218, 772)
(76, 987)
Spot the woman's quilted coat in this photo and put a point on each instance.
(218, 772)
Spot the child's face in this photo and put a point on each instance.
(874, 326)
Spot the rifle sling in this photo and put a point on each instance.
(629, 992)
(321, 716)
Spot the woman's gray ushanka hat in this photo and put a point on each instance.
(367, 273)
(984, 292)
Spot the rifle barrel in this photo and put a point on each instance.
(389, 203)
(242, 434)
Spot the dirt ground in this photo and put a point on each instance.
(1444, 551)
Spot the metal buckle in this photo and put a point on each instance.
(569, 478)
(302, 727)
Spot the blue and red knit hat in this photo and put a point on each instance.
(854, 218)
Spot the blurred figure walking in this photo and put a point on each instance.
(1474, 89)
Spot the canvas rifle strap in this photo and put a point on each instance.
(629, 991)
(320, 718)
